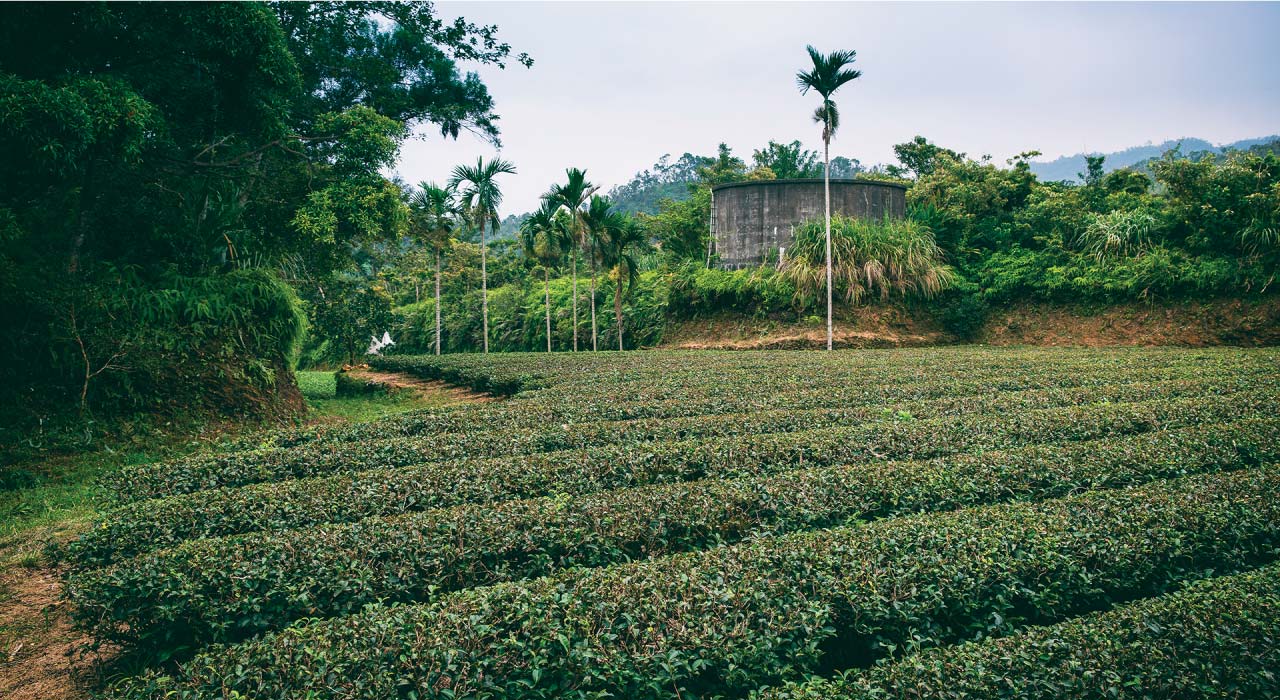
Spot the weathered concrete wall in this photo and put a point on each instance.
(752, 220)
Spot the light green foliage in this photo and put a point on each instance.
(788, 160)
(317, 385)
(696, 289)
(1202, 228)
(881, 258)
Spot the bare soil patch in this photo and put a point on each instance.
(862, 327)
(1191, 324)
(41, 656)
(423, 388)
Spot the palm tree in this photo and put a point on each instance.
(545, 235)
(572, 195)
(434, 221)
(598, 220)
(481, 197)
(828, 74)
(623, 237)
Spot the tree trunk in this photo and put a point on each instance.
(826, 177)
(575, 298)
(417, 291)
(484, 288)
(546, 291)
(594, 337)
(617, 306)
(437, 301)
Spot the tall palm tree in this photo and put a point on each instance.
(622, 239)
(598, 220)
(481, 197)
(572, 195)
(434, 221)
(545, 236)
(828, 74)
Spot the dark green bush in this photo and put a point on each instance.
(961, 310)
(1217, 639)
(728, 620)
(222, 590)
(148, 525)
(322, 458)
(168, 343)
(894, 380)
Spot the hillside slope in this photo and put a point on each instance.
(1198, 324)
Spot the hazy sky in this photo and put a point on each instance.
(616, 85)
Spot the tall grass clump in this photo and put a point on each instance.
(868, 257)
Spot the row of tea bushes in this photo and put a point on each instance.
(148, 525)
(1219, 640)
(581, 372)
(787, 386)
(318, 459)
(730, 619)
(779, 371)
(623, 396)
(221, 590)
(663, 378)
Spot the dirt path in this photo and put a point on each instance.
(421, 387)
(38, 648)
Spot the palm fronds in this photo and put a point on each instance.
(829, 72)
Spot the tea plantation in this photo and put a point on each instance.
(962, 522)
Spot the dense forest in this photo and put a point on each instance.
(188, 188)
(194, 205)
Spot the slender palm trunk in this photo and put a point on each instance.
(826, 177)
(617, 306)
(437, 301)
(594, 336)
(575, 299)
(484, 288)
(546, 291)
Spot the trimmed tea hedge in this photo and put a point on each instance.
(1218, 639)
(785, 381)
(227, 589)
(320, 459)
(733, 618)
(148, 525)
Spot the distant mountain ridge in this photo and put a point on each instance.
(1069, 167)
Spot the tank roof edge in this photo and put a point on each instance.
(808, 181)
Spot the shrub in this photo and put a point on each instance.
(696, 289)
(867, 257)
(224, 590)
(327, 457)
(961, 310)
(730, 619)
(1217, 639)
(149, 525)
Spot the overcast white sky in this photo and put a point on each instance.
(616, 85)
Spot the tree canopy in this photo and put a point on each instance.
(147, 143)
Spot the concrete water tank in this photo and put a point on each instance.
(751, 221)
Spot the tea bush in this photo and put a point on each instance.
(730, 619)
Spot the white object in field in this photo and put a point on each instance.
(376, 345)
